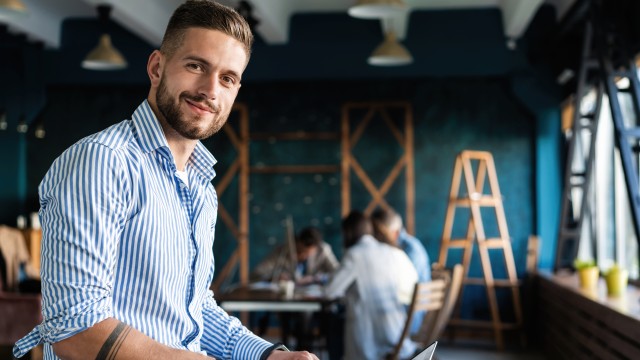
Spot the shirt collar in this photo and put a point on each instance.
(151, 137)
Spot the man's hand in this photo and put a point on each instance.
(294, 355)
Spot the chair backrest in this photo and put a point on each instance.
(441, 318)
(533, 252)
(427, 296)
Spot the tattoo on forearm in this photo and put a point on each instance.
(112, 345)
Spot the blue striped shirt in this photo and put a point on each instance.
(124, 237)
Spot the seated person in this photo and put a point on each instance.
(16, 267)
(387, 227)
(376, 281)
(316, 261)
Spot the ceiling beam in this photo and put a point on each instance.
(43, 19)
(148, 19)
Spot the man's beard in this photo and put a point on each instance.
(176, 119)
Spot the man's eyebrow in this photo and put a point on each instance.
(208, 64)
(198, 59)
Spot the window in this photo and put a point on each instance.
(608, 232)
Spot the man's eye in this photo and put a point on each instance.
(194, 66)
(229, 80)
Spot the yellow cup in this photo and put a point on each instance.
(617, 282)
(589, 278)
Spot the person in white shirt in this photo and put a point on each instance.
(387, 227)
(377, 282)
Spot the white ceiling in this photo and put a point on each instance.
(148, 18)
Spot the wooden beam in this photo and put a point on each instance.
(297, 135)
(361, 127)
(243, 196)
(394, 129)
(345, 164)
(228, 176)
(410, 186)
(294, 169)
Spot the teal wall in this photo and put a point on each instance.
(466, 89)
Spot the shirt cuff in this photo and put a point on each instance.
(272, 348)
(250, 346)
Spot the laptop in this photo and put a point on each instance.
(427, 353)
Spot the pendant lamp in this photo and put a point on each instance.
(390, 53)
(14, 6)
(3, 119)
(104, 56)
(374, 9)
(22, 124)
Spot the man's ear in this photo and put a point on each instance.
(154, 67)
(396, 236)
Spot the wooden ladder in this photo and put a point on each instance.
(474, 200)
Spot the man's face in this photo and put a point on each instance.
(199, 83)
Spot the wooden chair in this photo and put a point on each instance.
(435, 322)
(438, 298)
(427, 296)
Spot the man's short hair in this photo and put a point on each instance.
(354, 226)
(388, 218)
(207, 15)
(309, 236)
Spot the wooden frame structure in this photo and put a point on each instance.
(242, 168)
(406, 162)
(239, 167)
(474, 199)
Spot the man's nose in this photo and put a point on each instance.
(209, 87)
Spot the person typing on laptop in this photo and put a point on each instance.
(315, 261)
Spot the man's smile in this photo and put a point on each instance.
(199, 107)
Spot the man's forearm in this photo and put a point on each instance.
(112, 339)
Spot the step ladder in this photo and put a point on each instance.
(606, 56)
(474, 199)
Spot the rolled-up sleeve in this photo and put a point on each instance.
(83, 202)
(224, 337)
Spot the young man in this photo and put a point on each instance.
(128, 214)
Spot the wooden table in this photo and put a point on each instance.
(303, 304)
(260, 299)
